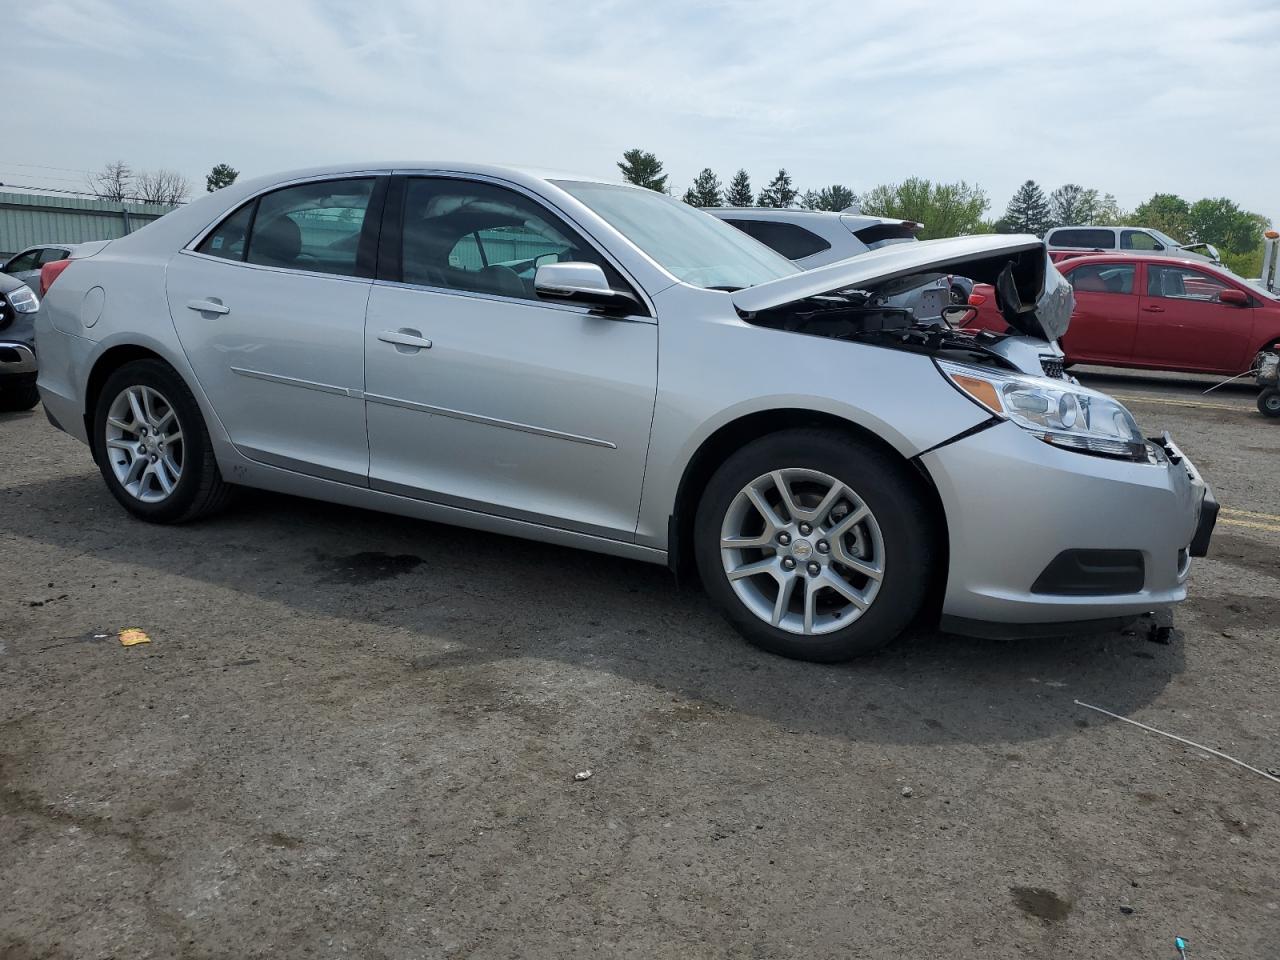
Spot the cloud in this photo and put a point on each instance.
(1129, 97)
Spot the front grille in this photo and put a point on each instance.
(1052, 367)
(6, 312)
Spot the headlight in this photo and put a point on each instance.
(1057, 411)
(24, 300)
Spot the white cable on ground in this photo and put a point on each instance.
(1190, 743)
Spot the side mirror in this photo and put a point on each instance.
(1236, 298)
(583, 283)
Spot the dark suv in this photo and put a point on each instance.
(18, 305)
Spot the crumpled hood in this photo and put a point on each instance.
(1035, 299)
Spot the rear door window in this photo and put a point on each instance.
(1083, 239)
(792, 241)
(25, 261)
(1103, 278)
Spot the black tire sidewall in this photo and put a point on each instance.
(159, 376)
(17, 393)
(894, 497)
(1269, 403)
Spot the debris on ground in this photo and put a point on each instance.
(132, 637)
(582, 775)
(907, 792)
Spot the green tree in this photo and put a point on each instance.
(945, 209)
(738, 193)
(1166, 212)
(705, 191)
(780, 192)
(1073, 205)
(1028, 211)
(222, 175)
(1109, 213)
(643, 169)
(1223, 223)
(835, 197)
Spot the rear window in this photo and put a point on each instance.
(793, 242)
(1085, 239)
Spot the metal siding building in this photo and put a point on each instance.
(30, 218)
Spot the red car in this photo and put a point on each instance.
(1157, 313)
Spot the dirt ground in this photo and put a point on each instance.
(354, 735)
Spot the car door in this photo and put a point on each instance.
(1183, 326)
(269, 307)
(480, 395)
(1104, 323)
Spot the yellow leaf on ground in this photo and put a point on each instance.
(130, 637)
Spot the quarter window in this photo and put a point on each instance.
(1103, 278)
(1183, 283)
(1139, 240)
(793, 242)
(1083, 239)
(52, 255)
(466, 235)
(227, 238)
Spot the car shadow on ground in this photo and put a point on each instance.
(446, 597)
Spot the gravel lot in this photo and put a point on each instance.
(356, 735)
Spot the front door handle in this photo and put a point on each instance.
(1152, 308)
(208, 306)
(405, 337)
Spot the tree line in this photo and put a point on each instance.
(959, 209)
(119, 181)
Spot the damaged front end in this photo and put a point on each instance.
(853, 300)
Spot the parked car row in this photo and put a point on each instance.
(479, 345)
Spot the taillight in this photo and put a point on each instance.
(50, 272)
(975, 299)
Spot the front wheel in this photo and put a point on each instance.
(814, 545)
(1269, 402)
(17, 394)
(152, 447)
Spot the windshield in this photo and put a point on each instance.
(691, 245)
(1164, 238)
(1255, 287)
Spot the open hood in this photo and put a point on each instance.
(1034, 298)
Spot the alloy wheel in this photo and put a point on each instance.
(802, 551)
(144, 443)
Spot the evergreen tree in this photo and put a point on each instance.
(739, 192)
(779, 193)
(835, 197)
(1028, 211)
(223, 175)
(643, 169)
(705, 191)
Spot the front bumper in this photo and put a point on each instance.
(16, 357)
(1014, 504)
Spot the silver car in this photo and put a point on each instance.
(601, 366)
(814, 238)
(1144, 240)
(26, 264)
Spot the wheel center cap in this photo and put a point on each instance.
(802, 550)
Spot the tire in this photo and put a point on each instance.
(1269, 402)
(958, 295)
(894, 542)
(199, 489)
(17, 396)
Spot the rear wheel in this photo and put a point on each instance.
(152, 447)
(18, 392)
(1269, 402)
(813, 545)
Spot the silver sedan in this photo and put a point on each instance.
(597, 365)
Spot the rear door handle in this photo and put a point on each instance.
(405, 337)
(208, 306)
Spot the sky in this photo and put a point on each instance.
(1131, 97)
